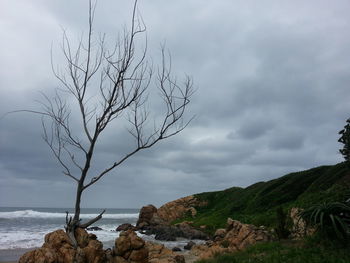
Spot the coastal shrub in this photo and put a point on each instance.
(281, 221)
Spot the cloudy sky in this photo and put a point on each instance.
(272, 82)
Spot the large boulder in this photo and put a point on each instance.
(151, 216)
(130, 248)
(58, 248)
(146, 215)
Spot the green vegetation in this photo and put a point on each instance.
(281, 224)
(257, 204)
(345, 139)
(331, 219)
(310, 251)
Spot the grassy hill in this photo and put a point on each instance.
(257, 203)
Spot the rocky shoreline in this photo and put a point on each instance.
(129, 247)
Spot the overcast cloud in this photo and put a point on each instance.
(272, 91)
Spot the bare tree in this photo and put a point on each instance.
(107, 85)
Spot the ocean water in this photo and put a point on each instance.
(26, 227)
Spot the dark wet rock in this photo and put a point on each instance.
(167, 233)
(170, 233)
(146, 215)
(176, 249)
(94, 228)
(125, 227)
(189, 245)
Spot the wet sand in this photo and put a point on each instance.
(12, 255)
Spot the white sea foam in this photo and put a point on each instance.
(22, 238)
(36, 214)
(34, 237)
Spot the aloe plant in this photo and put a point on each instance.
(332, 219)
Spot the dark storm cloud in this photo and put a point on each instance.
(272, 81)
(254, 129)
(287, 141)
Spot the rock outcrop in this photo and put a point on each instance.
(58, 248)
(150, 215)
(237, 236)
(158, 253)
(157, 221)
(299, 229)
(179, 208)
(129, 248)
(240, 236)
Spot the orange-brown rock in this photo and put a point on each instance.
(40, 255)
(178, 208)
(158, 253)
(130, 248)
(57, 239)
(82, 237)
(94, 252)
(139, 255)
(62, 246)
(122, 245)
(205, 252)
(58, 248)
(240, 236)
(236, 236)
(299, 229)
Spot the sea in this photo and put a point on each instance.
(23, 228)
(26, 227)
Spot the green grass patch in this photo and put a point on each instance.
(286, 252)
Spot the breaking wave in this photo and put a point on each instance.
(36, 214)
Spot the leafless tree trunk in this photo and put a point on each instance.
(118, 79)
